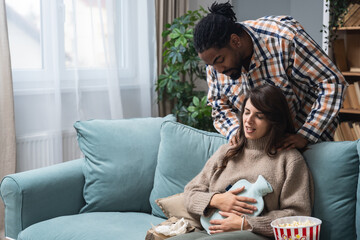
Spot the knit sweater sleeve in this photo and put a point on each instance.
(197, 193)
(295, 198)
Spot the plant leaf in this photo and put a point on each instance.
(177, 42)
(196, 101)
(174, 35)
(191, 109)
(194, 114)
(204, 101)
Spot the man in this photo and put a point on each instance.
(271, 50)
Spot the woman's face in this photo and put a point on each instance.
(254, 122)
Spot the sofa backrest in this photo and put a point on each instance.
(335, 170)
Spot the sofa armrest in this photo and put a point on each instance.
(37, 195)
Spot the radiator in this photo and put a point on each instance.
(45, 149)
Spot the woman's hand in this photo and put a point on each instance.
(232, 222)
(231, 203)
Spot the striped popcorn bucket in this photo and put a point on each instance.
(296, 228)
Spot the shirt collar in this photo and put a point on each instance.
(261, 53)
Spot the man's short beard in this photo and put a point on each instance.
(236, 74)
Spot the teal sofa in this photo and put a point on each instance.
(128, 164)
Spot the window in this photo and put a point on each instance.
(64, 38)
(77, 60)
(24, 26)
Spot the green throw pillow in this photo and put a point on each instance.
(120, 162)
(335, 170)
(183, 152)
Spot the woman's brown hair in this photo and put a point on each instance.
(272, 103)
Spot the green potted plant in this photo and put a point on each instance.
(182, 68)
(337, 11)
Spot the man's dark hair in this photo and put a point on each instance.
(215, 29)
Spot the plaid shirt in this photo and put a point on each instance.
(287, 57)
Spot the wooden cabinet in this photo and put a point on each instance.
(346, 53)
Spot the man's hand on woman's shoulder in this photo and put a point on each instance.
(293, 141)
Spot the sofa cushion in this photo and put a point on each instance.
(183, 152)
(93, 226)
(120, 162)
(335, 169)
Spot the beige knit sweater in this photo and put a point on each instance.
(287, 173)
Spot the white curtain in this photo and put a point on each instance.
(77, 60)
(7, 124)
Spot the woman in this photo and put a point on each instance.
(264, 121)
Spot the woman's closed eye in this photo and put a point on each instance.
(260, 116)
(257, 115)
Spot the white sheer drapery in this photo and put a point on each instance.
(77, 60)
(7, 124)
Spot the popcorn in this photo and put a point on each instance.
(307, 223)
(296, 228)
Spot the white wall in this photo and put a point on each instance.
(308, 12)
(195, 4)
(253, 9)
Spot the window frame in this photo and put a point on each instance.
(53, 71)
